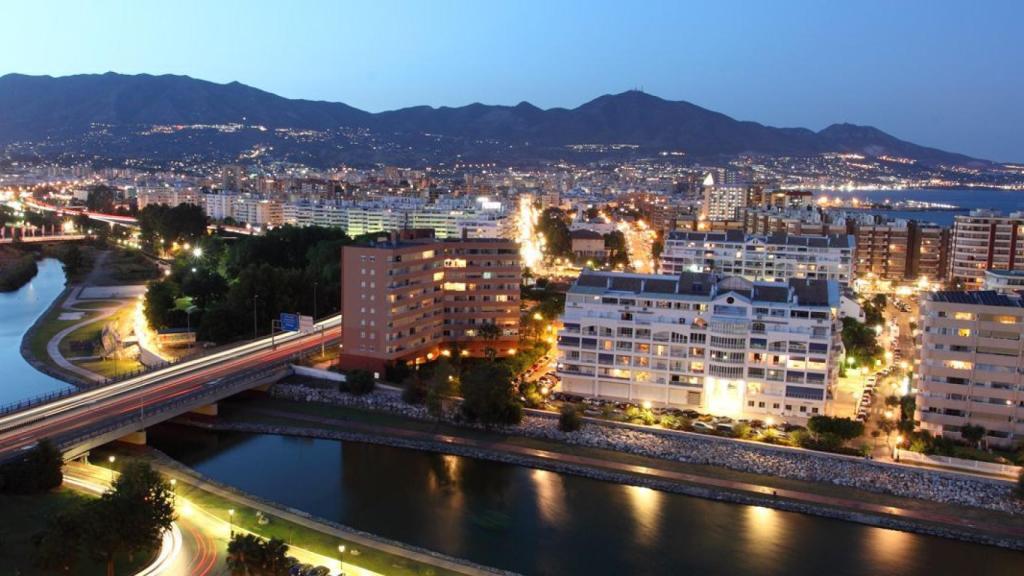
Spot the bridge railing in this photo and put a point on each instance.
(240, 381)
(27, 403)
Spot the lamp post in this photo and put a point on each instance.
(111, 459)
(231, 521)
(341, 559)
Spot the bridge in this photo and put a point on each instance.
(81, 421)
(32, 234)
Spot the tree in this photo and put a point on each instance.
(141, 506)
(569, 418)
(829, 428)
(160, 305)
(489, 396)
(71, 257)
(358, 382)
(973, 433)
(38, 470)
(250, 555)
(443, 384)
(615, 243)
(59, 547)
(101, 198)
(860, 341)
(490, 332)
(553, 224)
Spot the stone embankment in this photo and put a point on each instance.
(784, 462)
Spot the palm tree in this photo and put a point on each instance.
(245, 553)
(490, 332)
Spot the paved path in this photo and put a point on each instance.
(656, 473)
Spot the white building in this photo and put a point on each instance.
(775, 257)
(1003, 280)
(724, 201)
(167, 195)
(727, 346)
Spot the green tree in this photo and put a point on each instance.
(839, 429)
(443, 385)
(72, 259)
(358, 382)
(37, 470)
(860, 341)
(553, 224)
(489, 332)
(489, 396)
(250, 555)
(973, 433)
(615, 244)
(569, 418)
(58, 548)
(141, 503)
(101, 198)
(160, 306)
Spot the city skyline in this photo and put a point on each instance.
(894, 67)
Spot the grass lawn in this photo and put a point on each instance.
(24, 516)
(98, 304)
(246, 409)
(111, 368)
(92, 330)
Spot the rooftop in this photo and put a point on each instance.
(977, 298)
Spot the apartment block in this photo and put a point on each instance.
(723, 345)
(770, 258)
(984, 240)
(408, 296)
(882, 250)
(971, 367)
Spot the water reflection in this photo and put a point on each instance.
(18, 311)
(646, 511)
(538, 522)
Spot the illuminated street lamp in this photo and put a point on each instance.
(197, 252)
(231, 521)
(111, 459)
(341, 559)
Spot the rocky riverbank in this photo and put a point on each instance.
(797, 464)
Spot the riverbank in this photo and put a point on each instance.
(367, 553)
(615, 462)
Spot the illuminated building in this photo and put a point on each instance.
(984, 240)
(723, 345)
(773, 257)
(971, 369)
(408, 296)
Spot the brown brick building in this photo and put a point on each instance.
(408, 296)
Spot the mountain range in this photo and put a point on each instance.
(114, 115)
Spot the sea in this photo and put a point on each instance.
(965, 199)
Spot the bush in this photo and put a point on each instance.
(415, 392)
(569, 418)
(358, 382)
(489, 396)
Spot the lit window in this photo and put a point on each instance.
(964, 332)
(963, 316)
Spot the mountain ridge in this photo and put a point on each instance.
(49, 108)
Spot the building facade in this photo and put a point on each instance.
(723, 345)
(971, 367)
(776, 257)
(984, 240)
(409, 296)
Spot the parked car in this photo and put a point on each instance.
(703, 426)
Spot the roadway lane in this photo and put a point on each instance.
(113, 401)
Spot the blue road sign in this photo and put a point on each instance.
(289, 322)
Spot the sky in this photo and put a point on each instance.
(935, 72)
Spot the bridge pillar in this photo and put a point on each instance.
(137, 438)
(207, 410)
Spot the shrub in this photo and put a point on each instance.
(569, 418)
(39, 470)
(415, 392)
(358, 382)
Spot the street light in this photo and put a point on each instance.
(341, 559)
(231, 521)
(111, 459)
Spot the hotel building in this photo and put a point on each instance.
(408, 296)
(776, 257)
(723, 345)
(971, 369)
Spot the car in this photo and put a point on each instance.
(691, 413)
(703, 426)
(725, 427)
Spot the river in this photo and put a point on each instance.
(539, 522)
(18, 311)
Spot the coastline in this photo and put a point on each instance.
(39, 364)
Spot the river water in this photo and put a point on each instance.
(18, 311)
(538, 522)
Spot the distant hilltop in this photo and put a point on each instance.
(145, 115)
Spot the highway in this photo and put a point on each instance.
(87, 410)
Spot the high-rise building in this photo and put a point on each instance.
(984, 240)
(971, 367)
(231, 178)
(727, 346)
(408, 296)
(723, 200)
(772, 257)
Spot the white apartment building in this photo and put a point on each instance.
(984, 240)
(971, 368)
(722, 345)
(776, 257)
(167, 195)
(1003, 280)
(258, 212)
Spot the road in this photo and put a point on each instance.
(95, 407)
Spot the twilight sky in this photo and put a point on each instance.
(940, 73)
